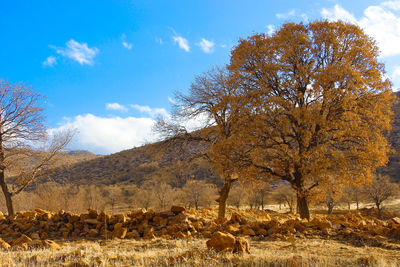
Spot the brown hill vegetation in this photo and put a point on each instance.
(172, 164)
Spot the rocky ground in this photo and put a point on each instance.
(183, 237)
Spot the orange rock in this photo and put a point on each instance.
(21, 240)
(119, 232)
(241, 245)
(4, 244)
(221, 242)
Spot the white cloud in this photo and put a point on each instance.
(49, 62)
(79, 52)
(270, 28)
(152, 112)
(286, 15)
(125, 43)
(395, 5)
(108, 135)
(206, 45)
(380, 21)
(116, 106)
(396, 77)
(182, 42)
(338, 13)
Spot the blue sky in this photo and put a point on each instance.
(108, 68)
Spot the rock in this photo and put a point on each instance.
(221, 242)
(119, 232)
(21, 240)
(4, 244)
(93, 232)
(396, 220)
(132, 234)
(179, 219)
(177, 209)
(40, 211)
(35, 236)
(92, 214)
(246, 230)
(91, 221)
(120, 217)
(236, 218)
(262, 231)
(149, 233)
(241, 245)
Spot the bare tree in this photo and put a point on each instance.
(197, 192)
(21, 126)
(380, 190)
(284, 193)
(238, 195)
(208, 98)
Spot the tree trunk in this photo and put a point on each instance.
(7, 194)
(330, 209)
(378, 206)
(302, 205)
(223, 196)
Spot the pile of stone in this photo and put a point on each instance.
(37, 228)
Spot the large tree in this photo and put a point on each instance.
(21, 129)
(314, 106)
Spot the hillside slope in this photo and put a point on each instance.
(159, 161)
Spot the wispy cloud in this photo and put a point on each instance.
(286, 15)
(49, 62)
(125, 43)
(116, 106)
(206, 45)
(152, 112)
(182, 42)
(79, 52)
(379, 21)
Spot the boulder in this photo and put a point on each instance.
(221, 242)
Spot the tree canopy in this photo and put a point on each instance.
(314, 106)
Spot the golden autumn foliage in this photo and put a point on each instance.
(312, 105)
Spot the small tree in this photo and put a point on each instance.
(380, 190)
(198, 192)
(285, 194)
(238, 195)
(21, 125)
(208, 99)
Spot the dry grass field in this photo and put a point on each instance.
(193, 252)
